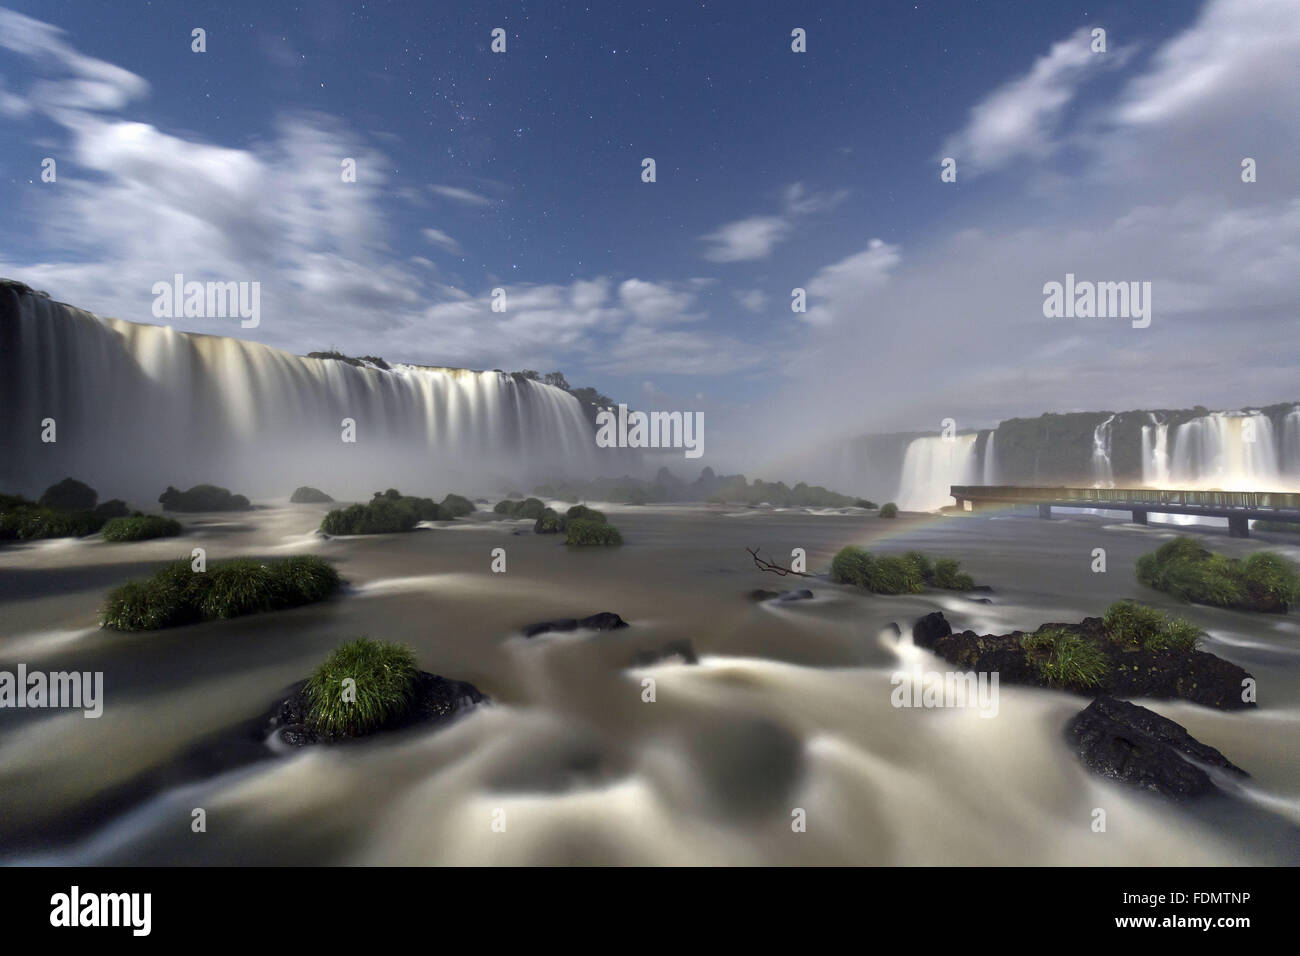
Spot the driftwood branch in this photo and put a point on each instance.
(764, 565)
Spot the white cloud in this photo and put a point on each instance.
(461, 195)
(746, 239)
(440, 238)
(1021, 117)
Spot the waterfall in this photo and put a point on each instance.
(990, 459)
(933, 464)
(1291, 443)
(1102, 474)
(1155, 453)
(140, 407)
(1237, 451)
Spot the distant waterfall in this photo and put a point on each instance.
(1103, 476)
(1155, 453)
(1291, 443)
(990, 459)
(931, 465)
(1232, 450)
(141, 407)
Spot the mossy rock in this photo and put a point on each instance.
(888, 510)
(456, 506)
(1264, 581)
(549, 522)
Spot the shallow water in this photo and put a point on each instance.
(790, 708)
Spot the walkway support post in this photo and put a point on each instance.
(1238, 527)
(1139, 517)
(1044, 511)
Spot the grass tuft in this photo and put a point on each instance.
(384, 677)
(141, 528)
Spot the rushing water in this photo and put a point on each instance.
(931, 466)
(138, 407)
(790, 707)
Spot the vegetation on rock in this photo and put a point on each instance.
(141, 528)
(1264, 581)
(910, 573)
(202, 498)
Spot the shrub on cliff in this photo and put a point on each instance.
(202, 498)
(549, 522)
(141, 528)
(383, 691)
(456, 506)
(307, 495)
(889, 510)
(585, 532)
(381, 516)
(178, 594)
(1264, 581)
(69, 495)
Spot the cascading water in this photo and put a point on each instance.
(1291, 442)
(931, 466)
(1232, 450)
(1155, 453)
(1103, 476)
(138, 407)
(990, 459)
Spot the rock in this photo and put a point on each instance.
(927, 630)
(801, 594)
(981, 600)
(1197, 676)
(436, 699)
(678, 650)
(762, 594)
(69, 495)
(602, 621)
(1125, 742)
(202, 498)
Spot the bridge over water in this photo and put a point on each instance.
(1239, 507)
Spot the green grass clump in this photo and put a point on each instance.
(178, 594)
(889, 510)
(1286, 527)
(385, 680)
(1128, 622)
(948, 574)
(864, 503)
(1264, 581)
(584, 532)
(851, 566)
(894, 575)
(141, 528)
(1065, 659)
(34, 523)
(908, 574)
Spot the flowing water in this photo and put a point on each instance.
(790, 708)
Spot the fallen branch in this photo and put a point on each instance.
(764, 565)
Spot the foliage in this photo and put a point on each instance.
(384, 677)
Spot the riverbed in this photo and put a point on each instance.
(781, 746)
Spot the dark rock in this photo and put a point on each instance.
(69, 495)
(202, 498)
(436, 699)
(762, 594)
(1123, 741)
(927, 630)
(801, 594)
(602, 621)
(1197, 676)
(982, 600)
(678, 650)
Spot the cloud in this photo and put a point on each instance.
(440, 238)
(461, 195)
(752, 300)
(1021, 117)
(843, 286)
(756, 236)
(93, 84)
(657, 303)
